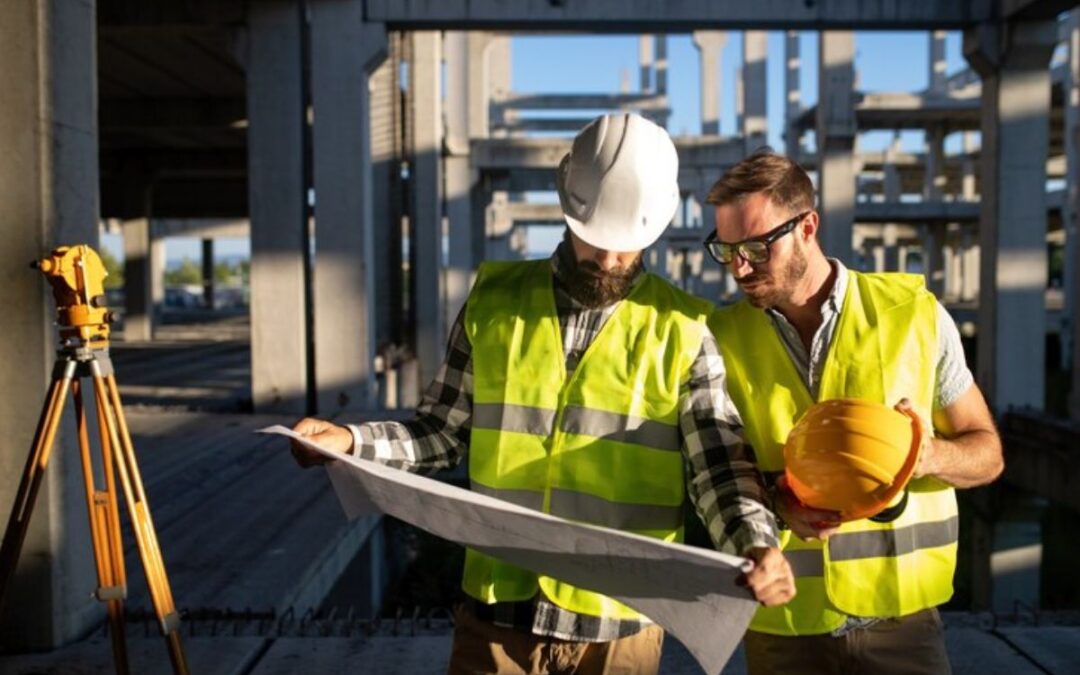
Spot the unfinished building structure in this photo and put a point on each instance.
(375, 152)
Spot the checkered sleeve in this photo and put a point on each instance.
(724, 484)
(437, 436)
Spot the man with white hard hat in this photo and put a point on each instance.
(580, 385)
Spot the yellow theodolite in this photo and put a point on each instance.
(77, 277)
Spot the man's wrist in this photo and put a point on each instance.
(772, 495)
(357, 439)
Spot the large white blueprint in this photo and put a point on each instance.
(690, 592)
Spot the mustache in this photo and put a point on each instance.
(752, 278)
(593, 268)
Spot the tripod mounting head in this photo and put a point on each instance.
(77, 277)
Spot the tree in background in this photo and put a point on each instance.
(114, 269)
(189, 273)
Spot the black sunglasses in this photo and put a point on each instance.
(754, 251)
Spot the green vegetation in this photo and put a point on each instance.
(114, 268)
(189, 273)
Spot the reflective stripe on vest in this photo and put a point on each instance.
(600, 446)
(580, 421)
(884, 348)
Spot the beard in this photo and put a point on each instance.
(590, 285)
(763, 292)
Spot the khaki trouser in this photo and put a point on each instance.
(483, 647)
(911, 645)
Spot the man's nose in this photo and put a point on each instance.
(740, 267)
(607, 260)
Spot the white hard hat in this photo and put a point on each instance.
(618, 186)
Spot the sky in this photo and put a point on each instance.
(884, 61)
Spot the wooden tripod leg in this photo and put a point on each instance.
(128, 471)
(36, 463)
(105, 536)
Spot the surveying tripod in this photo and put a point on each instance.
(77, 278)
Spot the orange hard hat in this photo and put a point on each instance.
(852, 456)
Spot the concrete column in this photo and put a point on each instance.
(891, 187)
(425, 115)
(138, 275)
(661, 64)
(500, 69)
(953, 264)
(710, 45)
(157, 273)
(479, 83)
(936, 77)
(970, 258)
(933, 258)
(934, 174)
(892, 261)
(792, 93)
(660, 70)
(968, 186)
(460, 176)
(1013, 62)
(754, 123)
(386, 155)
(208, 272)
(1071, 207)
(933, 191)
(279, 348)
(645, 62)
(48, 196)
(344, 51)
(836, 141)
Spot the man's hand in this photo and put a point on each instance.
(771, 580)
(926, 450)
(805, 521)
(323, 433)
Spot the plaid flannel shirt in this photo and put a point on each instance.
(723, 483)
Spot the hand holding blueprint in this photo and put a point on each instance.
(690, 592)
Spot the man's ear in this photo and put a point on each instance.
(808, 228)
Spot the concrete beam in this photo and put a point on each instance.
(153, 113)
(645, 102)
(1034, 9)
(202, 228)
(344, 51)
(641, 17)
(916, 212)
(1013, 61)
(48, 197)
(279, 335)
(901, 110)
(545, 153)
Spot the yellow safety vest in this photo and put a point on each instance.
(884, 349)
(602, 446)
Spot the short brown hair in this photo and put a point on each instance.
(783, 181)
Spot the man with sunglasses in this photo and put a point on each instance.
(580, 386)
(809, 329)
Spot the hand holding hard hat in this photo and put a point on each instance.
(854, 457)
